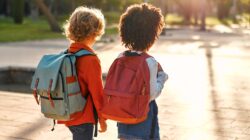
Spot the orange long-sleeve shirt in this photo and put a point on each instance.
(90, 80)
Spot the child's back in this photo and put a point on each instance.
(127, 83)
(140, 26)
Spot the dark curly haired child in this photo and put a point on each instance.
(139, 27)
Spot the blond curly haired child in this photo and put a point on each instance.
(83, 28)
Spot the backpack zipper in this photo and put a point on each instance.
(109, 98)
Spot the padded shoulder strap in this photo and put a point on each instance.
(81, 52)
(145, 55)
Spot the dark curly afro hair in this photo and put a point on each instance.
(140, 26)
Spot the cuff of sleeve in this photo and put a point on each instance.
(162, 77)
(101, 118)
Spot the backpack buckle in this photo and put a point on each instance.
(49, 93)
(35, 91)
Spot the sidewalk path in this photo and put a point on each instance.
(20, 118)
(28, 54)
(206, 97)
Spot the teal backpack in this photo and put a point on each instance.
(55, 82)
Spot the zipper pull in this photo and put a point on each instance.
(143, 90)
(109, 98)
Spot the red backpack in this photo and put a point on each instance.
(127, 89)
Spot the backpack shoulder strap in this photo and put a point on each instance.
(145, 55)
(79, 53)
(83, 52)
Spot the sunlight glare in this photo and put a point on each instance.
(223, 29)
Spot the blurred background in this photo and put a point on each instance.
(42, 19)
(204, 48)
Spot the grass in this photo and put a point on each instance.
(212, 21)
(29, 30)
(112, 20)
(174, 19)
(244, 19)
(111, 30)
(39, 29)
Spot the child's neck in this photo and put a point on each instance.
(88, 41)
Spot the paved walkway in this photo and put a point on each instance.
(20, 118)
(206, 98)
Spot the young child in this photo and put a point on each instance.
(82, 29)
(139, 27)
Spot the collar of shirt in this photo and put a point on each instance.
(139, 52)
(74, 47)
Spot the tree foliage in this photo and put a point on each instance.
(188, 9)
(91, 3)
(245, 6)
(223, 8)
(245, 2)
(163, 4)
(17, 10)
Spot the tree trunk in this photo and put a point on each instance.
(187, 17)
(249, 14)
(54, 26)
(234, 10)
(203, 15)
(223, 9)
(195, 11)
(185, 8)
(195, 18)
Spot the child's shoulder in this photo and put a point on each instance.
(151, 61)
(89, 59)
(120, 55)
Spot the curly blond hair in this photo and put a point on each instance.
(84, 22)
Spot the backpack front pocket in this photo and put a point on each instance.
(57, 110)
(121, 106)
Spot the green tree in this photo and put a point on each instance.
(17, 8)
(245, 6)
(73, 4)
(163, 4)
(127, 3)
(186, 9)
(223, 8)
(245, 2)
(203, 15)
(92, 3)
